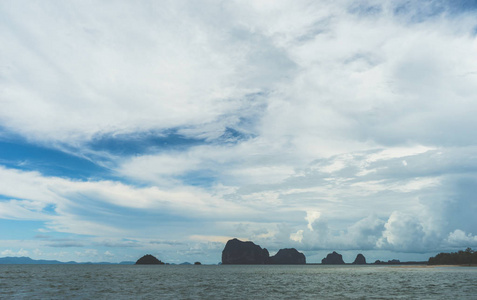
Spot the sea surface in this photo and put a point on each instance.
(236, 282)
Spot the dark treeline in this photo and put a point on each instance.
(466, 257)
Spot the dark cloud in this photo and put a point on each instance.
(419, 11)
(142, 142)
(124, 243)
(65, 244)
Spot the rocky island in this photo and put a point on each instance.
(333, 259)
(149, 259)
(359, 260)
(237, 252)
(288, 256)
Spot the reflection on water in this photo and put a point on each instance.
(236, 282)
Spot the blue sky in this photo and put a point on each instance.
(170, 127)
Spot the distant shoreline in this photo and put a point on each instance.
(29, 261)
(435, 266)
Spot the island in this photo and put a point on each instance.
(289, 256)
(359, 260)
(333, 259)
(149, 259)
(237, 252)
(467, 257)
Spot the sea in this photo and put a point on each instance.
(236, 282)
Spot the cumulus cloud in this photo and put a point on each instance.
(108, 254)
(366, 233)
(9, 252)
(459, 238)
(297, 236)
(87, 253)
(402, 232)
(311, 217)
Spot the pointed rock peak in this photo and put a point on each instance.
(360, 260)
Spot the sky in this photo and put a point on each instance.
(169, 127)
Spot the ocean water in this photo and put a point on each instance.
(236, 282)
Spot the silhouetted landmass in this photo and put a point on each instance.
(197, 263)
(398, 262)
(237, 252)
(359, 260)
(28, 261)
(289, 256)
(333, 259)
(148, 259)
(389, 262)
(466, 257)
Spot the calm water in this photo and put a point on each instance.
(235, 282)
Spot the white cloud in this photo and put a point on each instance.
(9, 252)
(97, 207)
(108, 254)
(340, 71)
(297, 236)
(311, 217)
(87, 253)
(397, 152)
(21, 210)
(459, 238)
(402, 232)
(158, 168)
(365, 233)
(154, 73)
